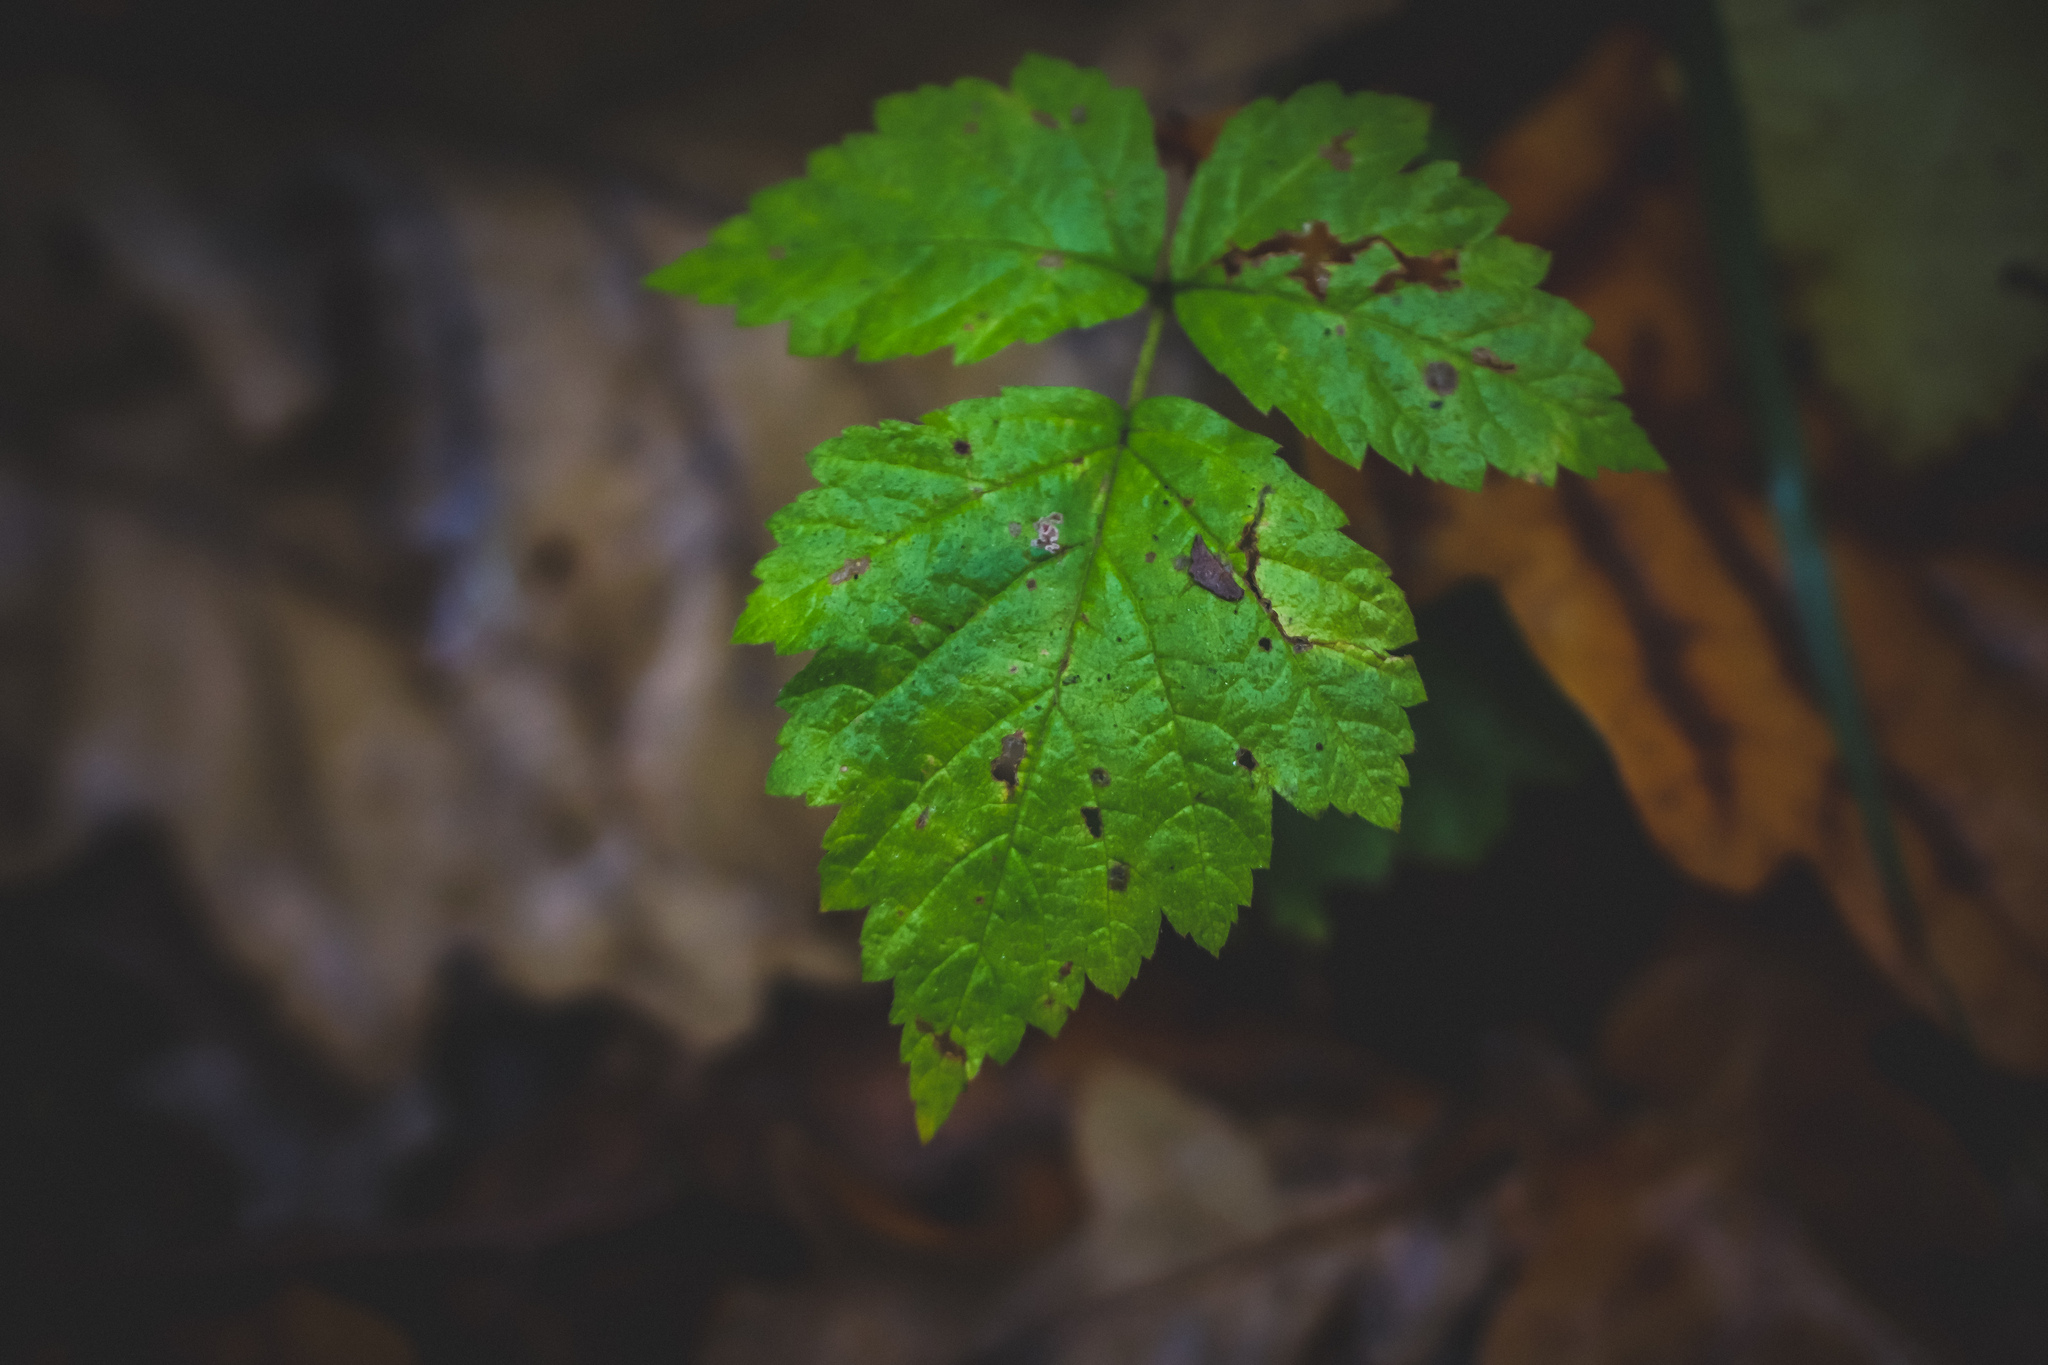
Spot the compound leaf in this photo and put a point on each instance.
(1065, 655)
(1373, 305)
(973, 217)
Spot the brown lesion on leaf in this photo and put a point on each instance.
(1099, 776)
(1212, 571)
(1119, 876)
(1318, 249)
(1248, 542)
(1440, 377)
(924, 817)
(1482, 355)
(1005, 765)
(948, 1049)
(1052, 260)
(1045, 120)
(851, 569)
(1335, 152)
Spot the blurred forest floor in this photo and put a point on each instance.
(399, 960)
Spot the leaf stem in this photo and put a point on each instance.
(1722, 145)
(1141, 378)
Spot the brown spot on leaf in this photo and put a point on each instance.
(1441, 377)
(1149, 556)
(1119, 876)
(1052, 260)
(776, 253)
(1335, 152)
(852, 568)
(1482, 355)
(1091, 816)
(971, 128)
(1031, 584)
(1099, 776)
(924, 817)
(1433, 270)
(1066, 970)
(1004, 767)
(1212, 571)
(1045, 120)
(948, 1049)
(962, 448)
(1077, 114)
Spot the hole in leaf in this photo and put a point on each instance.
(1092, 817)
(1265, 644)
(1004, 768)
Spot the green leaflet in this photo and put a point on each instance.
(973, 217)
(1044, 718)
(1372, 305)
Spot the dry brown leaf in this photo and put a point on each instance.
(1658, 604)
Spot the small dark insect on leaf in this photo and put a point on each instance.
(1441, 377)
(1212, 571)
(1246, 761)
(1004, 768)
(1119, 876)
(1092, 817)
(1482, 355)
(852, 568)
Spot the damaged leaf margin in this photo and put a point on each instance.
(1037, 757)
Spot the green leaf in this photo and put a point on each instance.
(973, 217)
(1065, 656)
(1372, 305)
